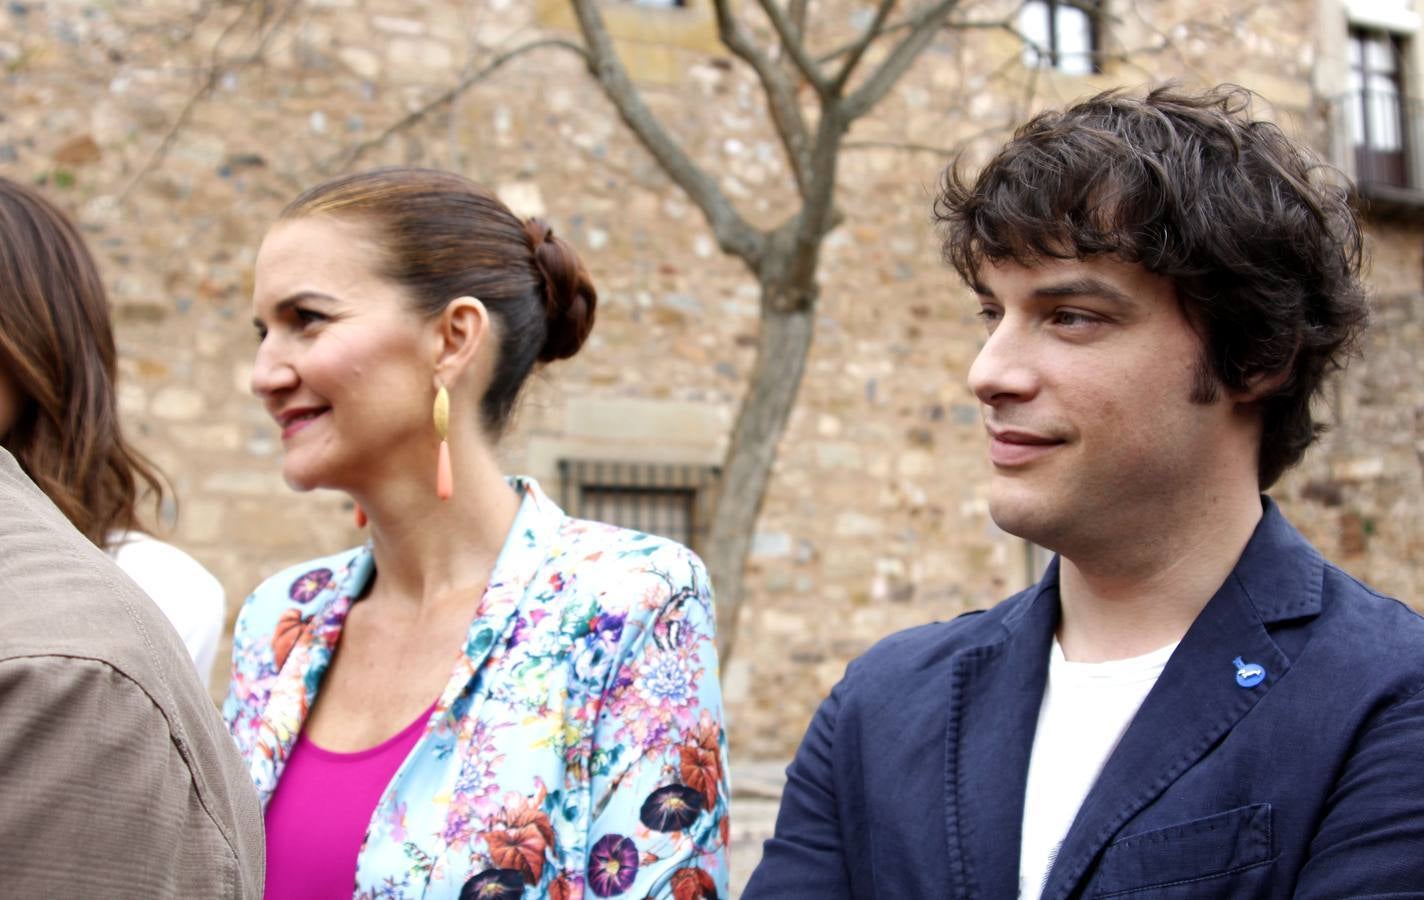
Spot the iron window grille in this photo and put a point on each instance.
(669, 500)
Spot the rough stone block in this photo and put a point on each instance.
(853, 524)
(411, 58)
(180, 403)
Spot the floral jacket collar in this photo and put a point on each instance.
(313, 638)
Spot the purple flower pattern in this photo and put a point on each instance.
(306, 587)
(612, 865)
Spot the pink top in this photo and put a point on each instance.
(319, 812)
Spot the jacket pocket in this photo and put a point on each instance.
(1179, 855)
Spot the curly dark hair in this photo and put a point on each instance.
(1263, 252)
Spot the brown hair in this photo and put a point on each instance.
(57, 346)
(446, 237)
(1264, 256)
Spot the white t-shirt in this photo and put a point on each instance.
(1086, 709)
(188, 594)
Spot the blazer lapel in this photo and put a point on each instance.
(996, 691)
(295, 685)
(1198, 697)
(531, 541)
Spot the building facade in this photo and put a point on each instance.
(175, 131)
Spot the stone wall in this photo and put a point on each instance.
(175, 131)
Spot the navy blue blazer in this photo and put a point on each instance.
(910, 780)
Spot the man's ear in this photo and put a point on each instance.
(1263, 384)
(461, 331)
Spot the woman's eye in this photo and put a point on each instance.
(987, 314)
(307, 316)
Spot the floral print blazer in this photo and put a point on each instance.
(577, 750)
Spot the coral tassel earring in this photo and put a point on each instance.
(444, 477)
(360, 517)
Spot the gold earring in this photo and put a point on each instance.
(444, 478)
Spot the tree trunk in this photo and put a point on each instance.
(782, 347)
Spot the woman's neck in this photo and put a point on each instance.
(428, 550)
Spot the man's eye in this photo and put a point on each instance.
(1073, 318)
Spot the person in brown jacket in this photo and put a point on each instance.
(117, 777)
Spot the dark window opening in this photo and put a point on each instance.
(1061, 35)
(1376, 108)
(668, 500)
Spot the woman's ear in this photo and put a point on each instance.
(461, 331)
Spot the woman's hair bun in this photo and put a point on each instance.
(569, 295)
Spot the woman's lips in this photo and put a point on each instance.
(297, 421)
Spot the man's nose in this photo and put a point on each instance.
(1003, 371)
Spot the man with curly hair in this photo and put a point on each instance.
(1192, 702)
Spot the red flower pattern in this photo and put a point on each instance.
(523, 837)
(701, 767)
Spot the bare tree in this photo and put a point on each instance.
(785, 259)
(813, 96)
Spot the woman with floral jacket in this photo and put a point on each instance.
(490, 699)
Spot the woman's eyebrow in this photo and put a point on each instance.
(291, 300)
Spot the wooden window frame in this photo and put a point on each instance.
(1374, 165)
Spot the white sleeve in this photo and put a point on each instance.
(187, 593)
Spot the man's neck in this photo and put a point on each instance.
(1132, 599)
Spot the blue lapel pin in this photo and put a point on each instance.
(1248, 675)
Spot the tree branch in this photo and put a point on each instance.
(1010, 119)
(215, 70)
(898, 145)
(858, 47)
(797, 13)
(448, 97)
(923, 26)
(780, 93)
(791, 42)
(734, 235)
(903, 25)
(843, 49)
(794, 247)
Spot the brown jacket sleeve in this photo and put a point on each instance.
(96, 798)
(117, 777)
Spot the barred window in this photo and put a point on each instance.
(669, 500)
